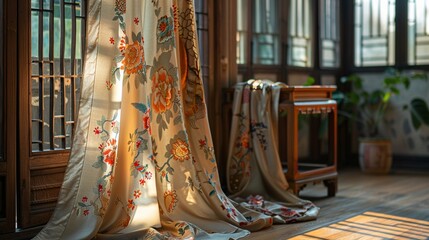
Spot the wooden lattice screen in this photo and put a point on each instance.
(58, 31)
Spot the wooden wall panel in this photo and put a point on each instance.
(8, 76)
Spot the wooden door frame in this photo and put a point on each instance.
(24, 64)
(8, 167)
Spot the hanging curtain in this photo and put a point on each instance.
(142, 164)
(254, 172)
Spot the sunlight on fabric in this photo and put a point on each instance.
(146, 215)
(190, 198)
(371, 225)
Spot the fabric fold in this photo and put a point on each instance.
(142, 165)
(254, 172)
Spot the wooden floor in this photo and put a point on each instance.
(393, 206)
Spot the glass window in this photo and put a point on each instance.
(329, 33)
(242, 19)
(300, 34)
(374, 32)
(418, 32)
(265, 32)
(57, 47)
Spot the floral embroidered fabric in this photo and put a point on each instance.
(254, 171)
(142, 164)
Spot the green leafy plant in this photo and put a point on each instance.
(367, 108)
(419, 112)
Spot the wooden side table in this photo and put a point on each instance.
(309, 100)
(295, 100)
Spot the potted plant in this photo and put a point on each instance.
(367, 108)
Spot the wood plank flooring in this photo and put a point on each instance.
(362, 202)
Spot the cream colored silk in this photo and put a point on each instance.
(254, 171)
(142, 164)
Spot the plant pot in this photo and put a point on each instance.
(375, 155)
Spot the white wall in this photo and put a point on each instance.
(397, 123)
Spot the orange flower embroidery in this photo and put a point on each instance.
(245, 140)
(121, 6)
(131, 205)
(137, 193)
(180, 150)
(146, 121)
(162, 91)
(110, 151)
(133, 58)
(170, 200)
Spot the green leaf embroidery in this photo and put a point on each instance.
(140, 106)
(177, 120)
(81, 204)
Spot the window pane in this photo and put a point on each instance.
(374, 32)
(418, 32)
(57, 51)
(329, 33)
(242, 20)
(300, 34)
(266, 32)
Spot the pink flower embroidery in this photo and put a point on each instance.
(86, 212)
(112, 40)
(84, 199)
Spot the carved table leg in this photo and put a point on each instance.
(331, 184)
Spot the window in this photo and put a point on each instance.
(277, 40)
(266, 34)
(374, 32)
(242, 31)
(300, 34)
(57, 47)
(418, 32)
(391, 33)
(329, 34)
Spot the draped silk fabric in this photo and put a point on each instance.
(142, 164)
(254, 171)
